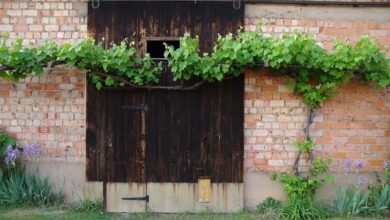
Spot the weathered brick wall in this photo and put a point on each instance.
(38, 20)
(353, 125)
(324, 31)
(48, 110)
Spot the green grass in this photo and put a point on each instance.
(65, 213)
(43, 213)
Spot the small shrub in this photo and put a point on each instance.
(301, 209)
(18, 187)
(89, 206)
(305, 187)
(269, 204)
(353, 201)
(350, 201)
(23, 188)
(301, 189)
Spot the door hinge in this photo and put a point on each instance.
(146, 198)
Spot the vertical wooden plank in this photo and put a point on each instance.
(143, 174)
(240, 137)
(92, 149)
(228, 130)
(152, 123)
(237, 131)
(109, 142)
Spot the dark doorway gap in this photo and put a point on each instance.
(156, 48)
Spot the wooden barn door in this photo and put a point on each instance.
(125, 183)
(116, 147)
(166, 151)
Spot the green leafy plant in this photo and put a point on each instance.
(117, 66)
(301, 189)
(315, 73)
(88, 205)
(301, 209)
(304, 187)
(5, 140)
(386, 165)
(20, 187)
(350, 201)
(381, 199)
(269, 204)
(379, 195)
(18, 60)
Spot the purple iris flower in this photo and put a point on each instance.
(11, 155)
(32, 150)
(358, 164)
(386, 164)
(360, 180)
(347, 166)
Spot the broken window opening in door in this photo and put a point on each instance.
(156, 48)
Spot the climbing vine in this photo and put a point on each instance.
(314, 72)
(117, 66)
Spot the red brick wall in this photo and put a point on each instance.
(37, 20)
(355, 124)
(48, 110)
(325, 31)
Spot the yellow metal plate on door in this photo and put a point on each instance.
(204, 193)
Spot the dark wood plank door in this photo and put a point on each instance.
(116, 135)
(125, 133)
(187, 134)
(184, 135)
(193, 134)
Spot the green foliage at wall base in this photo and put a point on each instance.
(20, 187)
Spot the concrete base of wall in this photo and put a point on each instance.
(259, 186)
(68, 178)
(184, 197)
